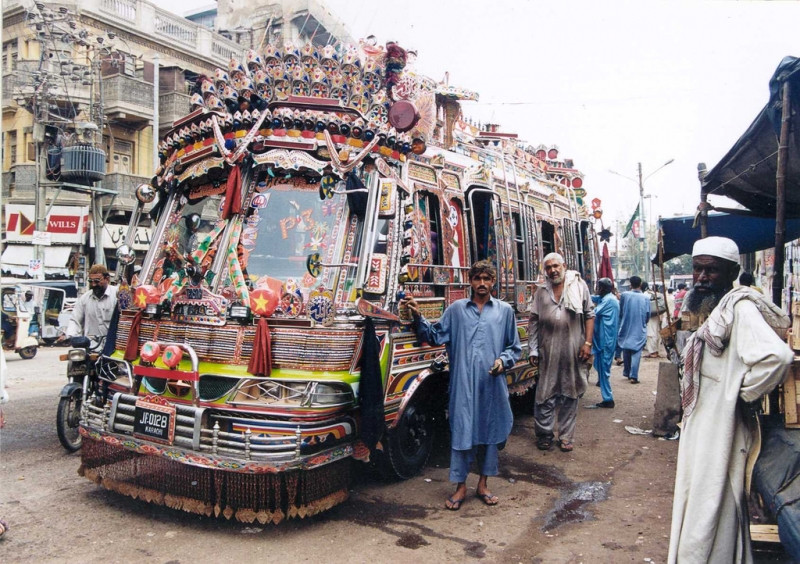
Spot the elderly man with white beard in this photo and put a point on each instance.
(560, 331)
(737, 355)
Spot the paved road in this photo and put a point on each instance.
(608, 501)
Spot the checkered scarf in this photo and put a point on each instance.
(716, 332)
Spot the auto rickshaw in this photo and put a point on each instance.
(17, 316)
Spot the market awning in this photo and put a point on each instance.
(16, 259)
(750, 233)
(747, 173)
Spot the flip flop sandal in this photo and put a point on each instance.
(565, 446)
(488, 499)
(455, 504)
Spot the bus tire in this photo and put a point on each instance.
(410, 443)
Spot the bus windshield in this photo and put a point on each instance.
(288, 222)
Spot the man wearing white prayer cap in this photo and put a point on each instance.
(720, 247)
(715, 265)
(737, 355)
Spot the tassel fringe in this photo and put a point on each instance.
(266, 498)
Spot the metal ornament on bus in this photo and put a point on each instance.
(327, 188)
(314, 264)
(145, 194)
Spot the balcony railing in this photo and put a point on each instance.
(146, 18)
(131, 98)
(175, 27)
(172, 107)
(125, 185)
(10, 90)
(122, 9)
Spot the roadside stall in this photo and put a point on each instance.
(762, 173)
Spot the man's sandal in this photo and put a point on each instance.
(544, 444)
(487, 498)
(565, 446)
(455, 504)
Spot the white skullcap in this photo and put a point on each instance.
(721, 247)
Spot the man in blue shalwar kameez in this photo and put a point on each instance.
(606, 326)
(634, 315)
(482, 342)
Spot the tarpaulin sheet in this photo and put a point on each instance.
(750, 233)
(747, 173)
(775, 478)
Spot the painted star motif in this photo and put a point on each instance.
(259, 302)
(141, 298)
(605, 235)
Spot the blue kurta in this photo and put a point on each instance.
(604, 341)
(606, 325)
(634, 314)
(480, 413)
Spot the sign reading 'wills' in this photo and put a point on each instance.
(63, 223)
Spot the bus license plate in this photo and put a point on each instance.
(154, 422)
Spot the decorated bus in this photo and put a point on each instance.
(260, 350)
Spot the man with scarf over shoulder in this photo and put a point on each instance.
(560, 340)
(736, 356)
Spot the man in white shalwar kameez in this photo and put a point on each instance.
(733, 359)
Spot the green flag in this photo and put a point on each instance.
(630, 223)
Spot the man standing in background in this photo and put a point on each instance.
(634, 314)
(606, 328)
(679, 296)
(654, 323)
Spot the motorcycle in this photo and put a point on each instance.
(17, 334)
(83, 385)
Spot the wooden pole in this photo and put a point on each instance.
(780, 197)
(703, 207)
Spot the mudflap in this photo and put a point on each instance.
(69, 389)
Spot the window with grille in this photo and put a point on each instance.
(12, 147)
(10, 55)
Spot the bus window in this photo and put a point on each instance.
(192, 235)
(484, 245)
(548, 232)
(519, 247)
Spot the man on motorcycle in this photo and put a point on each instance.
(91, 319)
(94, 309)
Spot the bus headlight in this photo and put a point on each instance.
(331, 394)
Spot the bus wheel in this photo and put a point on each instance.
(411, 441)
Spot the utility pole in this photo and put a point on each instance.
(83, 163)
(40, 109)
(616, 242)
(644, 225)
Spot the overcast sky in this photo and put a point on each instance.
(612, 83)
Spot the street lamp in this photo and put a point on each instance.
(640, 181)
